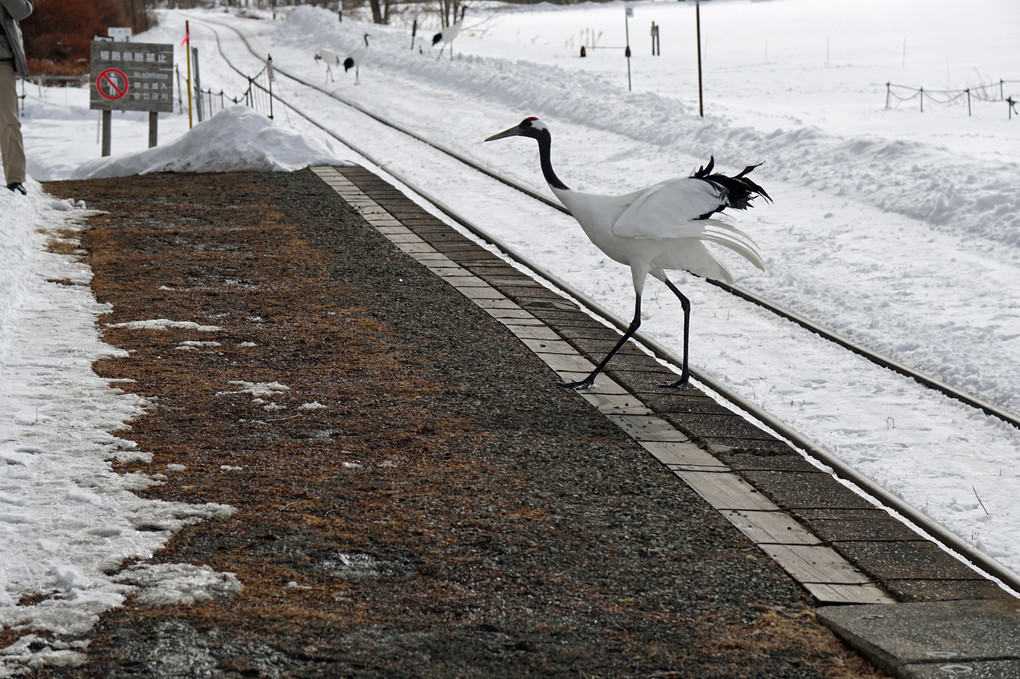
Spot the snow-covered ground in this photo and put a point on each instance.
(896, 228)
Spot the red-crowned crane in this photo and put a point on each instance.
(330, 58)
(355, 58)
(448, 34)
(655, 229)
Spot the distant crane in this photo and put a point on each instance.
(449, 34)
(330, 58)
(662, 227)
(355, 58)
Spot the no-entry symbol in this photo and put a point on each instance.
(112, 84)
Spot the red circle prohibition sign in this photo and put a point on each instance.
(116, 82)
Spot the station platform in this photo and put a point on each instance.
(417, 496)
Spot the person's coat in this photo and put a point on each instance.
(13, 12)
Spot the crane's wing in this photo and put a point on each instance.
(666, 209)
(676, 209)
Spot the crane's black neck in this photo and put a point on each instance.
(544, 152)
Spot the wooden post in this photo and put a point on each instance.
(153, 127)
(107, 123)
(187, 40)
(198, 86)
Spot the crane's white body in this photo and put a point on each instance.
(355, 58)
(449, 34)
(657, 229)
(330, 58)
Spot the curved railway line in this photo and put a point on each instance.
(869, 488)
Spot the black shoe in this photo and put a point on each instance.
(17, 186)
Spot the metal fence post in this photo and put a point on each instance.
(269, 70)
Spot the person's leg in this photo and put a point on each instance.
(12, 146)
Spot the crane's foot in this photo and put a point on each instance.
(587, 383)
(681, 384)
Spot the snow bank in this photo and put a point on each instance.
(235, 139)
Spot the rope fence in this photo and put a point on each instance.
(41, 81)
(257, 96)
(991, 92)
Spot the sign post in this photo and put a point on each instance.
(131, 76)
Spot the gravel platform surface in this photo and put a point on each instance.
(415, 495)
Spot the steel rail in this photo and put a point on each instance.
(790, 315)
(880, 496)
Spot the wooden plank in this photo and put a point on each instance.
(815, 564)
(542, 332)
(497, 303)
(771, 527)
(545, 346)
(568, 363)
(484, 292)
(683, 455)
(403, 236)
(725, 490)
(848, 594)
(647, 428)
(415, 248)
(466, 280)
(616, 404)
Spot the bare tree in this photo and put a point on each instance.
(449, 11)
(378, 17)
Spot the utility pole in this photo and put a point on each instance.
(697, 21)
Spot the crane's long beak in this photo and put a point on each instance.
(512, 132)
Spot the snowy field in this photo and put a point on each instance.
(896, 228)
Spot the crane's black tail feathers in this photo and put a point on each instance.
(738, 191)
(436, 38)
(348, 64)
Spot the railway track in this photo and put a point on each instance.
(748, 295)
(920, 521)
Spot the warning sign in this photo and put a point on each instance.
(132, 76)
(112, 84)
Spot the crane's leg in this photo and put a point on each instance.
(685, 373)
(588, 381)
(441, 52)
(357, 74)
